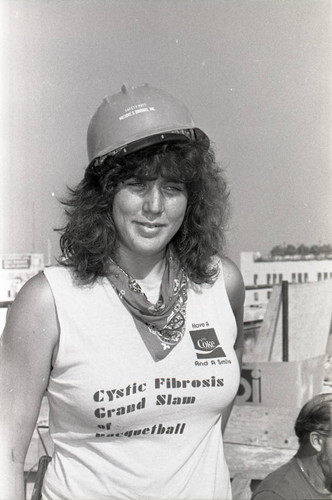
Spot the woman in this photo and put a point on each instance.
(137, 336)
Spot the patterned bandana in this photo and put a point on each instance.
(165, 319)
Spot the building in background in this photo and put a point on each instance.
(285, 263)
(15, 270)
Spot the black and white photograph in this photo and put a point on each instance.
(166, 250)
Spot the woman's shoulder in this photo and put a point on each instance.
(34, 305)
(58, 270)
(34, 298)
(229, 277)
(35, 291)
(233, 282)
(66, 276)
(230, 269)
(62, 279)
(31, 326)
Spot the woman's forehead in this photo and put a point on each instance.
(152, 172)
(153, 177)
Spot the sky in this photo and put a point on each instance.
(256, 75)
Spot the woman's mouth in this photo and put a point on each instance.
(151, 225)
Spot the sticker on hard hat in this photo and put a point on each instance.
(136, 112)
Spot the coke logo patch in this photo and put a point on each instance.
(206, 344)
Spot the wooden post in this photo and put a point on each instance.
(284, 293)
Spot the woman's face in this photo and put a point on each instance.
(147, 213)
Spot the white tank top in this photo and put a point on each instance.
(125, 426)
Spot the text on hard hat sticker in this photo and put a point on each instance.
(136, 112)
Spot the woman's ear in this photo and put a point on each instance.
(316, 441)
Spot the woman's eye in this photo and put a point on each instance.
(174, 188)
(135, 183)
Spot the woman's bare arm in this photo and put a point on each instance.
(26, 348)
(236, 294)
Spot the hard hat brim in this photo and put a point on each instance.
(152, 140)
(179, 136)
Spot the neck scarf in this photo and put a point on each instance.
(166, 318)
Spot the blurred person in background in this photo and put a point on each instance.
(308, 475)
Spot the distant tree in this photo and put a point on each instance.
(327, 249)
(315, 250)
(303, 249)
(290, 250)
(278, 250)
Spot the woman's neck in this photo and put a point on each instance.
(141, 267)
(151, 284)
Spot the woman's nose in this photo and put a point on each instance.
(153, 201)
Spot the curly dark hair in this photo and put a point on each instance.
(89, 238)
